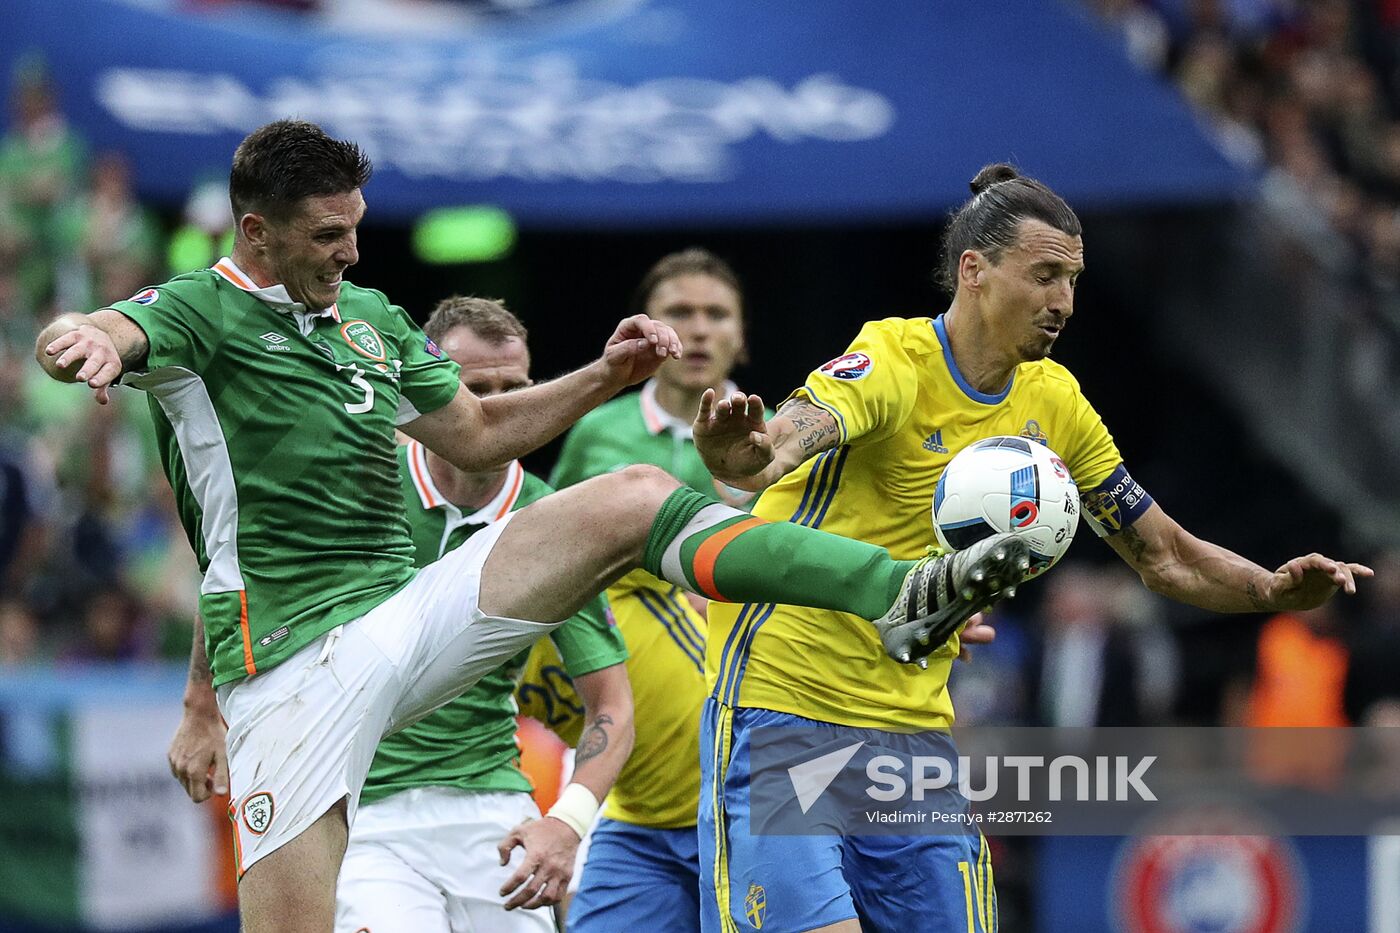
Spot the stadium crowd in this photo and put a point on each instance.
(93, 566)
(1307, 93)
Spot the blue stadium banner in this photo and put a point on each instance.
(636, 112)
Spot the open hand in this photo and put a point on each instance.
(732, 437)
(638, 348)
(543, 877)
(1308, 582)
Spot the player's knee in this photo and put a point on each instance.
(640, 489)
(622, 507)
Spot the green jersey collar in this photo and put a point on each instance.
(275, 295)
(495, 510)
(658, 419)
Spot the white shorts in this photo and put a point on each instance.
(302, 735)
(424, 861)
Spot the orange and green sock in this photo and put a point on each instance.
(722, 553)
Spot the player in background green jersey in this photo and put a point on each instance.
(443, 793)
(275, 388)
(643, 863)
(700, 297)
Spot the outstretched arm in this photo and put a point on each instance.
(479, 434)
(1175, 563)
(740, 449)
(93, 348)
(551, 843)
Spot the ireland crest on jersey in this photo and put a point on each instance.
(257, 812)
(364, 338)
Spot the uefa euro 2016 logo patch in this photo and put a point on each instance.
(364, 338)
(850, 367)
(145, 296)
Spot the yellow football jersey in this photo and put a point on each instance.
(904, 410)
(660, 784)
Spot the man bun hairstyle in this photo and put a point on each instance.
(1001, 198)
(487, 318)
(993, 174)
(693, 261)
(279, 164)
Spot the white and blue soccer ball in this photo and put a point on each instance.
(1008, 484)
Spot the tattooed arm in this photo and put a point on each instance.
(542, 876)
(743, 450)
(607, 731)
(1176, 563)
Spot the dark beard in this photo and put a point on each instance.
(1035, 351)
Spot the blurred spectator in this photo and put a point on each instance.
(18, 528)
(207, 234)
(1299, 679)
(19, 633)
(41, 162)
(17, 324)
(21, 499)
(1372, 693)
(110, 629)
(1096, 645)
(159, 567)
(1300, 671)
(1143, 30)
(990, 689)
(110, 244)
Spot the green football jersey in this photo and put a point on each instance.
(470, 742)
(635, 429)
(276, 431)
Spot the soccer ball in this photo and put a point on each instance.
(1008, 484)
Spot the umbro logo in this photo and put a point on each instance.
(270, 337)
(274, 342)
(935, 442)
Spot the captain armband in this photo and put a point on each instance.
(1115, 503)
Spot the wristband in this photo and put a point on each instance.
(575, 808)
